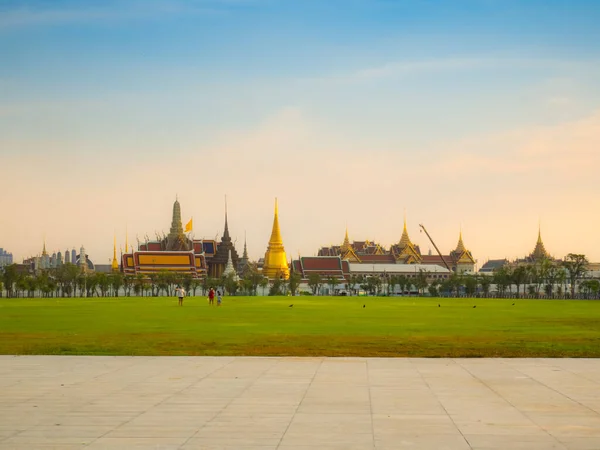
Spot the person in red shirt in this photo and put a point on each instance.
(211, 296)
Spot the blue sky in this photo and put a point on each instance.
(480, 114)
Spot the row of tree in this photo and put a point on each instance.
(544, 278)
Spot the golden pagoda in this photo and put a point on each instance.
(405, 251)
(276, 264)
(539, 252)
(115, 262)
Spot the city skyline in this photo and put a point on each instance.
(479, 115)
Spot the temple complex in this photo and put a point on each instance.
(404, 251)
(275, 263)
(174, 253)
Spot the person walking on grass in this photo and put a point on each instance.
(218, 298)
(180, 295)
(211, 296)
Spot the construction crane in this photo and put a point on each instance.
(436, 248)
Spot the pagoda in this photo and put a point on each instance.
(225, 251)
(462, 259)
(539, 252)
(230, 270)
(405, 251)
(115, 262)
(176, 240)
(276, 264)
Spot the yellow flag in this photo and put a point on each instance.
(188, 226)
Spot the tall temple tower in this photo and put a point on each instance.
(405, 251)
(461, 257)
(176, 240)
(276, 264)
(539, 252)
(225, 251)
(115, 262)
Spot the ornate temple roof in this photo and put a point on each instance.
(404, 239)
(539, 252)
(460, 247)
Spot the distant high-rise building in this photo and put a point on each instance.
(6, 259)
(73, 256)
(67, 257)
(59, 260)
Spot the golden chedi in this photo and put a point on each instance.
(276, 264)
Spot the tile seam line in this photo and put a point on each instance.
(509, 402)
(156, 404)
(440, 402)
(370, 400)
(556, 391)
(233, 359)
(75, 384)
(300, 403)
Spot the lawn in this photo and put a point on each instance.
(314, 326)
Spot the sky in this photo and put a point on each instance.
(473, 115)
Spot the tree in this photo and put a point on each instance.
(195, 284)
(332, 282)
(402, 283)
(519, 277)
(485, 282)
(470, 285)
(275, 288)
(127, 283)
(392, 283)
(421, 281)
(231, 284)
(294, 282)
(138, 284)
(116, 281)
(576, 265)
(10, 277)
(352, 282)
(263, 283)
(103, 283)
(314, 282)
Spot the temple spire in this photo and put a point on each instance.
(276, 233)
(276, 264)
(115, 263)
(346, 243)
(245, 255)
(404, 239)
(226, 231)
(460, 247)
(539, 252)
(44, 252)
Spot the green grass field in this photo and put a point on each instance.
(314, 326)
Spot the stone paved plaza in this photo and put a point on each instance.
(298, 403)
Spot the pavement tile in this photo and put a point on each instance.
(299, 403)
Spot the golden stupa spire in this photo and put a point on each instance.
(44, 252)
(404, 239)
(276, 264)
(276, 233)
(460, 247)
(539, 252)
(346, 243)
(115, 263)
